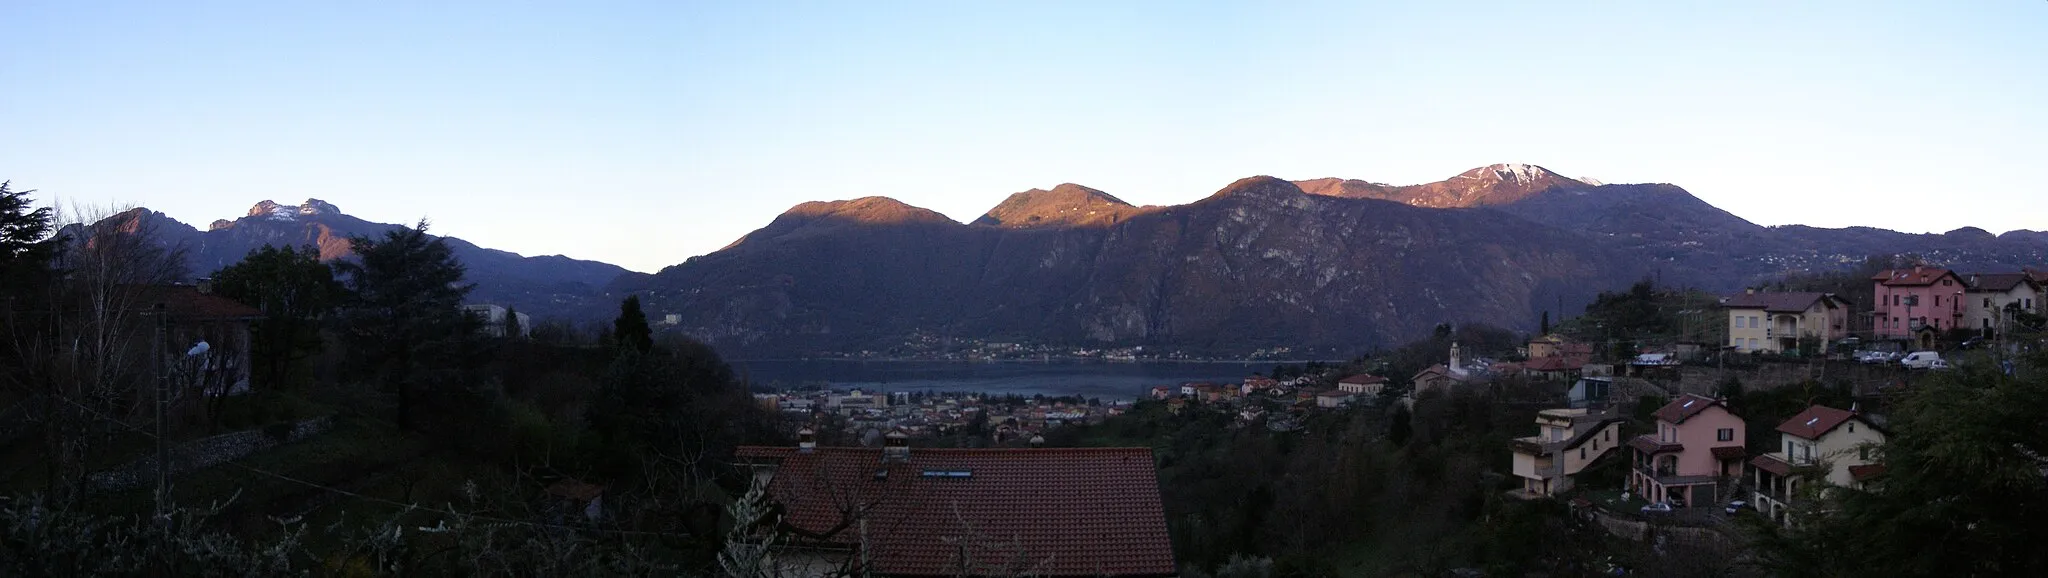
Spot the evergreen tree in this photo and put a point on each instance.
(24, 244)
(1545, 326)
(294, 290)
(512, 328)
(406, 327)
(630, 330)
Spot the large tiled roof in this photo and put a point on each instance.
(1911, 277)
(1363, 379)
(1997, 281)
(188, 303)
(1778, 302)
(1816, 421)
(1685, 407)
(1725, 453)
(1556, 363)
(949, 512)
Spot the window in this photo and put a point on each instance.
(1937, 300)
(1852, 427)
(1752, 322)
(1607, 435)
(1726, 434)
(1752, 343)
(1947, 283)
(1863, 453)
(1987, 302)
(1582, 453)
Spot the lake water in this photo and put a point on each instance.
(1103, 379)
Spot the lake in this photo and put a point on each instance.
(1103, 379)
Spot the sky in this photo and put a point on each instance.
(645, 133)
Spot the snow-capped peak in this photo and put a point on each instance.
(1518, 172)
(1590, 181)
(271, 210)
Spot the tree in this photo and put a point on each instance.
(1544, 327)
(1960, 494)
(405, 326)
(25, 244)
(512, 329)
(78, 334)
(630, 330)
(294, 290)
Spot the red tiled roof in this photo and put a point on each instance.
(1725, 453)
(1780, 302)
(186, 302)
(1864, 473)
(1685, 407)
(1997, 281)
(1585, 349)
(1557, 363)
(1363, 379)
(1052, 511)
(1771, 464)
(1650, 445)
(1912, 277)
(1816, 421)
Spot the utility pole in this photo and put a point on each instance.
(163, 455)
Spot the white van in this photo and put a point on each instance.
(1919, 359)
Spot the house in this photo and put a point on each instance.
(1557, 346)
(1362, 384)
(197, 315)
(1698, 442)
(1566, 441)
(1905, 301)
(1554, 368)
(1059, 512)
(1162, 392)
(1257, 383)
(1765, 322)
(1840, 443)
(1992, 299)
(1334, 399)
(1443, 376)
(493, 317)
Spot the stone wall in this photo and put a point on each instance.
(207, 452)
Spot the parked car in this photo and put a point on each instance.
(1874, 357)
(1937, 364)
(1657, 508)
(1737, 506)
(1919, 359)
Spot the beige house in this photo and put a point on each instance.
(1775, 322)
(1992, 298)
(1362, 384)
(1821, 443)
(1566, 441)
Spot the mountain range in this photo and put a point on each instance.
(1334, 264)
(550, 286)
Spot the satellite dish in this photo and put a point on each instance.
(198, 349)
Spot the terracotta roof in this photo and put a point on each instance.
(1771, 464)
(1054, 511)
(575, 489)
(187, 303)
(1650, 445)
(1558, 363)
(1780, 302)
(1864, 473)
(1997, 281)
(2038, 275)
(1816, 421)
(1363, 379)
(1685, 407)
(1725, 453)
(1585, 349)
(1912, 277)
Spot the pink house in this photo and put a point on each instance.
(1908, 300)
(1697, 444)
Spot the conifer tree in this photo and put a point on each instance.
(406, 326)
(630, 330)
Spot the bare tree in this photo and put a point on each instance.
(83, 335)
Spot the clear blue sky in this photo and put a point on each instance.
(644, 133)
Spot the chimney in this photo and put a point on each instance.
(205, 285)
(1853, 407)
(1454, 367)
(806, 441)
(1037, 441)
(896, 447)
(1749, 290)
